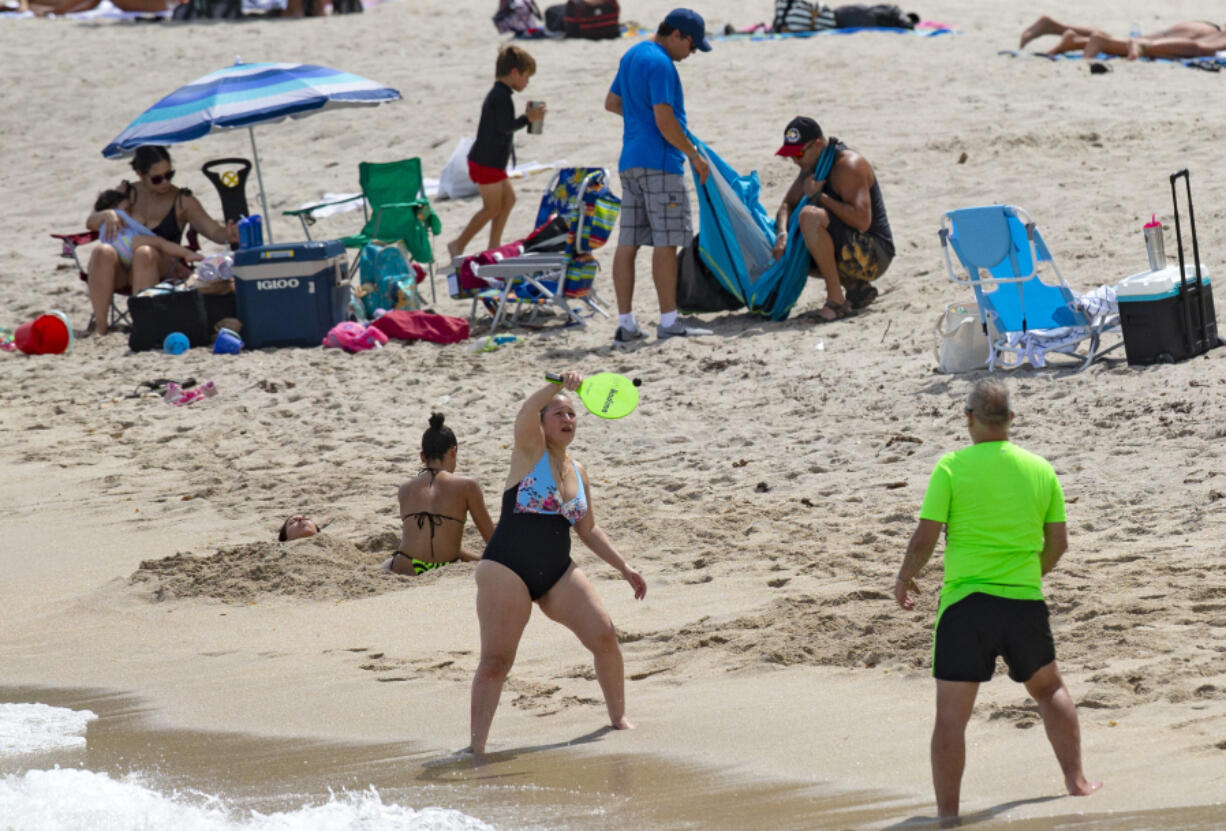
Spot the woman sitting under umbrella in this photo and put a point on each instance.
(164, 208)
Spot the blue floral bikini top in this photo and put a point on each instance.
(538, 494)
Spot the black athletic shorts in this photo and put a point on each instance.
(977, 628)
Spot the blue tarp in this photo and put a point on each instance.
(736, 237)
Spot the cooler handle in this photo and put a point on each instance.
(1183, 278)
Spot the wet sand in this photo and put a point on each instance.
(561, 787)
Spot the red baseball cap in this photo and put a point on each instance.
(800, 131)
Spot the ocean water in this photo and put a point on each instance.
(71, 798)
(72, 759)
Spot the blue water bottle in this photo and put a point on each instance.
(244, 232)
(257, 230)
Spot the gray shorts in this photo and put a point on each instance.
(655, 209)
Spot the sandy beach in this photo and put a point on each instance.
(765, 487)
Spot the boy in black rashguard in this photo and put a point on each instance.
(487, 160)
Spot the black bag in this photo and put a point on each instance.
(697, 288)
(549, 238)
(592, 20)
(854, 17)
(157, 315)
(555, 18)
(190, 312)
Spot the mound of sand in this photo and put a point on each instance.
(317, 568)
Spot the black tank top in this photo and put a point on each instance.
(879, 225)
(169, 228)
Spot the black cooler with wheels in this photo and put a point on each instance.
(1161, 316)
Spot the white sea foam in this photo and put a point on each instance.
(33, 728)
(72, 799)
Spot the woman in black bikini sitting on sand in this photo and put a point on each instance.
(434, 505)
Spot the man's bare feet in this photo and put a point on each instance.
(454, 250)
(1080, 786)
(623, 723)
(1043, 26)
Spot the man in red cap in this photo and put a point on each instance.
(844, 223)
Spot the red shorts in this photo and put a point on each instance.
(482, 175)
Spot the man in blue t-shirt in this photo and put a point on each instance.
(647, 94)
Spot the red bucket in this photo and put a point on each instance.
(47, 334)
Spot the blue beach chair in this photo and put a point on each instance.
(1025, 319)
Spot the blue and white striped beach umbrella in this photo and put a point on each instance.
(244, 95)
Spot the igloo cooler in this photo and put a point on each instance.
(291, 294)
(1165, 319)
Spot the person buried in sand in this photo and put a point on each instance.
(488, 157)
(647, 94)
(1003, 513)
(528, 560)
(296, 527)
(844, 224)
(434, 505)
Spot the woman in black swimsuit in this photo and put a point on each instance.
(528, 559)
(160, 206)
(433, 506)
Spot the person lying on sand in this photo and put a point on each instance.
(528, 560)
(1187, 39)
(297, 527)
(434, 505)
(76, 6)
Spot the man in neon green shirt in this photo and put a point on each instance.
(1003, 513)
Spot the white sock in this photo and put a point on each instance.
(628, 322)
(668, 318)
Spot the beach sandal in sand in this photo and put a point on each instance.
(839, 310)
(861, 296)
(158, 385)
(180, 397)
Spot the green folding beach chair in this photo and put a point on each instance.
(395, 208)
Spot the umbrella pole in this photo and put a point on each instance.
(260, 178)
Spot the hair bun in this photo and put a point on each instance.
(436, 421)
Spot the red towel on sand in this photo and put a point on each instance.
(418, 325)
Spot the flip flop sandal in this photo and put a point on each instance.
(159, 385)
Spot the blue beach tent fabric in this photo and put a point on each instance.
(736, 238)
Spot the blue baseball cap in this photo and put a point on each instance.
(690, 23)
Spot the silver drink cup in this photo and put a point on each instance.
(1155, 247)
(536, 127)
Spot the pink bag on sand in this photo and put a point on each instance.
(353, 337)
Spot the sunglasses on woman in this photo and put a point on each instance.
(158, 178)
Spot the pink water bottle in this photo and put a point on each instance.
(1154, 245)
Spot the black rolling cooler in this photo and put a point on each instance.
(1171, 318)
